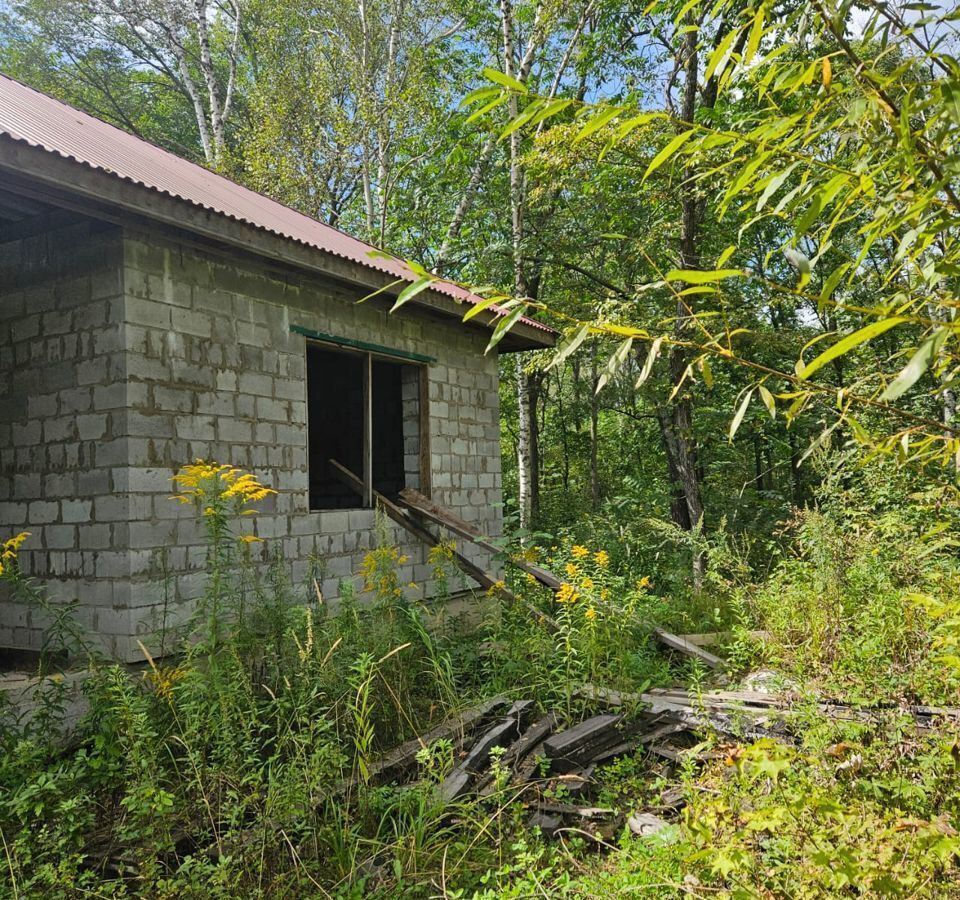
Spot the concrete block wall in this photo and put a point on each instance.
(63, 450)
(215, 372)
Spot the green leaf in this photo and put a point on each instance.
(504, 325)
(756, 33)
(740, 413)
(919, 363)
(652, 355)
(702, 276)
(486, 303)
(480, 113)
(861, 336)
(553, 108)
(507, 81)
(411, 291)
(768, 400)
(723, 257)
(624, 128)
(614, 363)
(596, 123)
(568, 347)
(672, 147)
(720, 56)
(483, 93)
(774, 185)
(707, 372)
(951, 100)
(520, 120)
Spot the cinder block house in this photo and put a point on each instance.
(152, 313)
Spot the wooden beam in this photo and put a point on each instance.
(486, 581)
(674, 642)
(709, 638)
(438, 515)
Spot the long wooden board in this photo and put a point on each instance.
(674, 642)
(423, 506)
(486, 581)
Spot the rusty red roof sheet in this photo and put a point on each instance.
(41, 121)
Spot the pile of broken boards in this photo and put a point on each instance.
(551, 769)
(509, 754)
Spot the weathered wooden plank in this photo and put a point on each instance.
(534, 735)
(674, 642)
(710, 638)
(439, 515)
(394, 512)
(548, 823)
(577, 746)
(504, 733)
(393, 763)
(501, 735)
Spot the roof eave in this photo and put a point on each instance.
(113, 198)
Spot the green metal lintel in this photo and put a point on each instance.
(360, 345)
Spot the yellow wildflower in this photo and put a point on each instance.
(531, 579)
(579, 551)
(643, 583)
(164, 680)
(591, 613)
(601, 558)
(572, 570)
(495, 588)
(587, 584)
(567, 593)
(207, 484)
(8, 551)
(250, 539)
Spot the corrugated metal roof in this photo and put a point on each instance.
(40, 121)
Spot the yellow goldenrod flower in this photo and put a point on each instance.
(211, 484)
(8, 551)
(567, 593)
(587, 584)
(250, 539)
(572, 570)
(643, 583)
(579, 551)
(530, 579)
(601, 558)
(591, 613)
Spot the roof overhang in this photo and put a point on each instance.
(70, 184)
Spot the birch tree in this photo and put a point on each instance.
(194, 46)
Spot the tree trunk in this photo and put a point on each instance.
(524, 446)
(677, 431)
(594, 434)
(534, 393)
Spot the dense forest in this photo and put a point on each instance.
(741, 219)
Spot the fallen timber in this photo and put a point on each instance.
(688, 648)
(398, 515)
(760, 708)
(425, 508)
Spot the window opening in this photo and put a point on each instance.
(363, 411)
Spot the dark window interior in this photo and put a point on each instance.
(335, 414)
(336, 409)
(389, 477)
